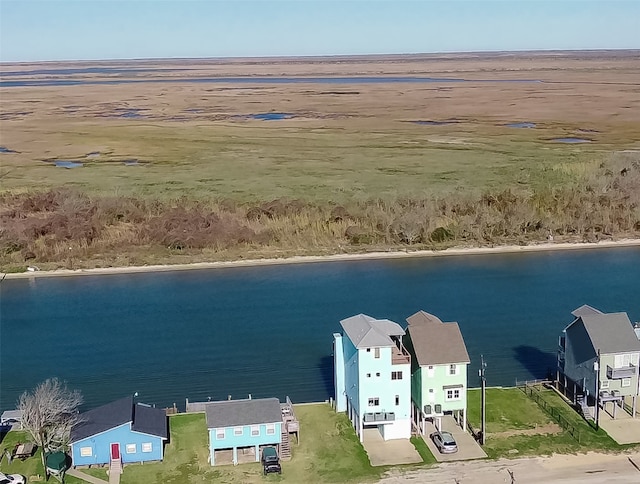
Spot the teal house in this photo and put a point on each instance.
(242, 428)
(438, 370)
(119, 432)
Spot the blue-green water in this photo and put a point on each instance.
(268, 330)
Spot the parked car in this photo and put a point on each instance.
(12, 479)
(270, 461)
(445, 442)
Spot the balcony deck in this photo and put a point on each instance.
(618, 373)
(400, 356)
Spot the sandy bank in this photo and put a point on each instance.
(329, 258)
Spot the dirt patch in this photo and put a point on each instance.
(548, 429)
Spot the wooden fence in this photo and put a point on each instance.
(532, 391)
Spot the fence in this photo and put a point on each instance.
(534, 393)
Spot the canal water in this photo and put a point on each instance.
(267, 331)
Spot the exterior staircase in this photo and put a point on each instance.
(115, 469)
(285, 445)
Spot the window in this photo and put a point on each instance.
(626, 382)
(397, 400)
(430, 390)
(452, 369)
(271, 429)
(430, 371)
(131, 448)
(86, 451)
(238, 431)
(377, 353)
(378, 374)
(604, 384)
(374, 402)
(368, 375)
(255, 431)
(453, 394)
(396, 375)
(220, 434)
(147, 447)
(368, 350)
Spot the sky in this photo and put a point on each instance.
(42, 30)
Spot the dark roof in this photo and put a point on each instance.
(608, 333)
(235, 413)
(147, 420)
(435, 342)
(367, 332)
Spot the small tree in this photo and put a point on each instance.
(48, 413)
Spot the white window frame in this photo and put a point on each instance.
(626, 382)
(147, 447)
(238, 431)
(604, 384)
(374, 402)
(368, 375)
(453, 370)
(451, 394)
(221, 434)
(430, 371)
(131, 448)
(376, 352)
(396, 375)
(255, 430)
(86, 451)
(397, 400)
(271, 429)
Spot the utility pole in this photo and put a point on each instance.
(483, 381)
(596, 367)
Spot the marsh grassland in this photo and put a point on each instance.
(347, 169)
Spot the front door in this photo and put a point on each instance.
(115, 451)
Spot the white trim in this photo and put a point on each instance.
(146, 445)
(117, 427)
(86, 455)
(128, 449)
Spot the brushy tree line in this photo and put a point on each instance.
(60, 226)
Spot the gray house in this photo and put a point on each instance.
(599, 354)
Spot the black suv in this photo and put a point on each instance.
(270, 461)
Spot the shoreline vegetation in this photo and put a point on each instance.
(454, 251)
(73, 230)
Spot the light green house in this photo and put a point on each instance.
(439, 362)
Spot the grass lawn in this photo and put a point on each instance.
(328, 452)
(511, 416)
(32, 467)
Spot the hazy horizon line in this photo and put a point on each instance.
(320, 56)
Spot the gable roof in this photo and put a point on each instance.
(144, 419)
(584, 310)
(236, 413)
(435, 342)
(367, 332)
(607, 333)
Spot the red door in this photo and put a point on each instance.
(115, 451)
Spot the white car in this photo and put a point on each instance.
(12, 479)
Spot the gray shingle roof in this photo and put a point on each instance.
(367, 332)
(147, 420)
(609, 333)
(584, 310)
(435, 342)
(235, 413)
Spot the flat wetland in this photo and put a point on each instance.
(332, 142)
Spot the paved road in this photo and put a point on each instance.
(589, 468)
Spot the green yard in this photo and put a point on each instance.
(517, 425)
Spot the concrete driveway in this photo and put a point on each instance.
(468, 448)
(624, 429)
(390, 452)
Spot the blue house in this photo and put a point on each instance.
(119, 432)
(243, 427)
